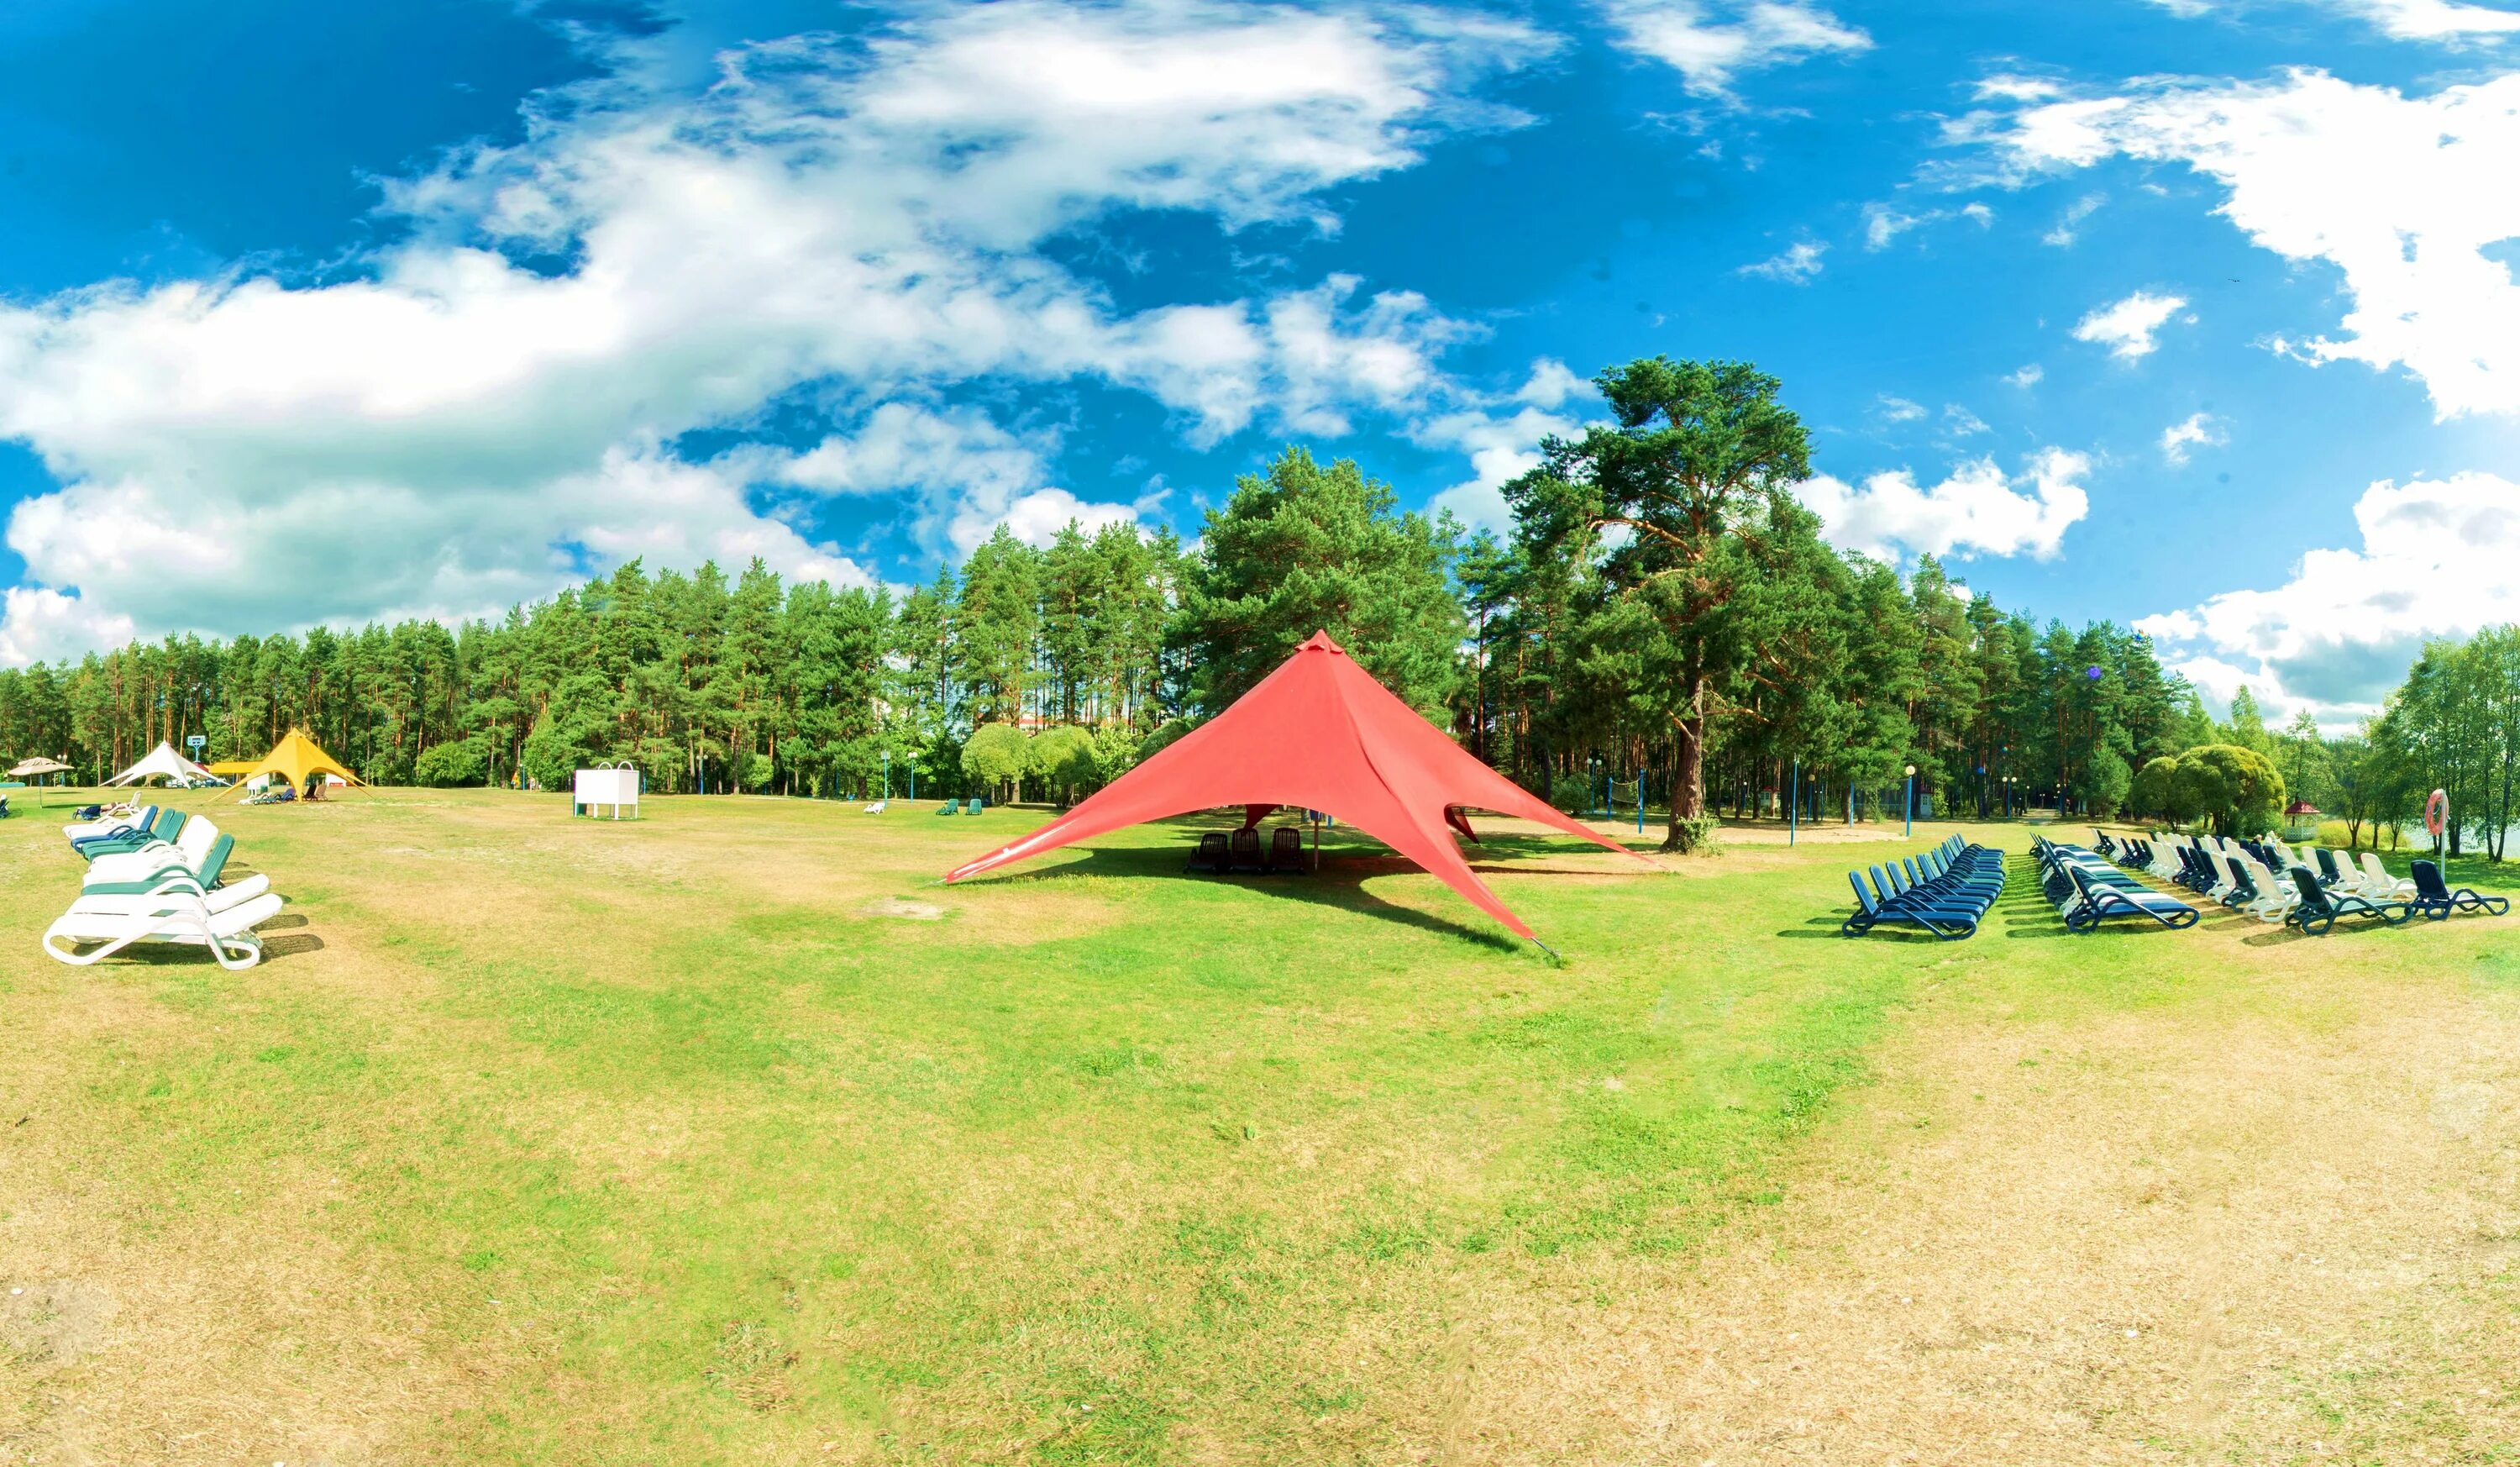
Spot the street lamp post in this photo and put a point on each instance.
(1911, 800)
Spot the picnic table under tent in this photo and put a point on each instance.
(297, 760)
(163, 762)
(1320, 734)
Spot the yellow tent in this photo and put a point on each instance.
(231, 769)
(296, 759)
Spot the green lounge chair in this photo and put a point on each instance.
(173, 874)
(950, 807)
(168, 824)
(971, 806)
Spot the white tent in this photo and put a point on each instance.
(163, 762)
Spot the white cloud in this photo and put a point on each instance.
(1037, 518)
(2437, 558)
(2069, 224)
(1977, 509)
(2029, 376)
(1883, 224)
(2200, 431)
(2404, 195)
(1961, 423)
(2010, 88)
(40, 624)
(833, 224)
(1709, 44)
(2128, 327)
(1796, 266)
(2402, 20)
(1899, 409)
(1503, 444)
(1551, 383)
(967, 475)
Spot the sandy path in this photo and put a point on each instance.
(2276, 1231)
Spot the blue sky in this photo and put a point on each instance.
(2195, 314)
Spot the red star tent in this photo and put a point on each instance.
(1320, 734)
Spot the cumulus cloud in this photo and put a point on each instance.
(1899, 409)
(2407, 195)
(1799, 264)
(2404, 19)
(40, 624)
(2438, 558)
(1977, 509)
(2199, 430)
(2129, 327)
(2029, 376)
(1710, 44)
(833, 226)
(1502, 440)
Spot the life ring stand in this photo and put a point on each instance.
(2437, 813)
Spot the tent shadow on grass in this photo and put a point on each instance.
(1341, 884)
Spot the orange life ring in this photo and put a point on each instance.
(2437, 813)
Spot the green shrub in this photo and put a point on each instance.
(1163, 738)
(387, 766)
(1064, 757)
(2235, 789)
(443, 766)
(1573, 793)
(550, 757)
(997, 753)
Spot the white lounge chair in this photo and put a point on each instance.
(876, 808)
(118, 817)
(2377, 884)
(96, 927)
(2275, 899)
(190, 846)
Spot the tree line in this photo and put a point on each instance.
(1663, 610)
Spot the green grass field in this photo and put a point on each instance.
(729, 1135)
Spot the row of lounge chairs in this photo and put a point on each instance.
(2318, 890)
(2087, 890)
(1239, 853)
(155, 875)
(1946, 891)
(959, 807)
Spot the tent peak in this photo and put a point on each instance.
(1319, 641)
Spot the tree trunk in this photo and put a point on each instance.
(1688, 768)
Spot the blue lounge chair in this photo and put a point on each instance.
(2087, 903)
(1949, 923)
(2320, 908)
(2436, 900)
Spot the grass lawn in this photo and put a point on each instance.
(729, 1135)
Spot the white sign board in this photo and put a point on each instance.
(599, 788)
